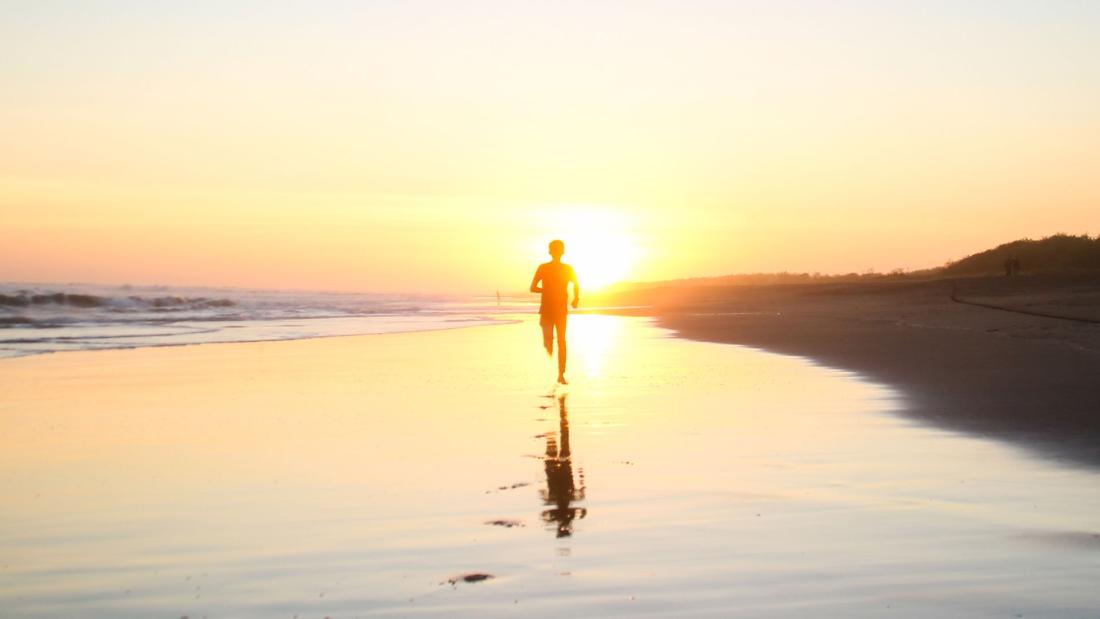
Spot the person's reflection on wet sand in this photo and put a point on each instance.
(561, 491)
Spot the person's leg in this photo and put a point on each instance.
(547, 334)
(560, 326)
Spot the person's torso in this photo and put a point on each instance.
(555, 286)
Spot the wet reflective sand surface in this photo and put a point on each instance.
(442, 474)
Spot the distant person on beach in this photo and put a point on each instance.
(553, 310)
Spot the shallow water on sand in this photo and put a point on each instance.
(361, 476)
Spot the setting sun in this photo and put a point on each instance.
(598, 243)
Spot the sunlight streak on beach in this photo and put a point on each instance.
(592, 336)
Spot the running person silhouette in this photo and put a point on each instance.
(553, 310)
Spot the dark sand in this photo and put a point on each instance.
(1030, 379)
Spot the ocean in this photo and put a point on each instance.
(43, 318)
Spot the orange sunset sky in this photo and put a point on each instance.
(437, 146)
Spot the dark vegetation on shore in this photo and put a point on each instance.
(1056, 253)
(1053, 253)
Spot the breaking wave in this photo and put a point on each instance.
(127, 303)
(38, 319)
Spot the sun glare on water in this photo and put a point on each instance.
(598, 243)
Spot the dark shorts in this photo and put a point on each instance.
(553, 320)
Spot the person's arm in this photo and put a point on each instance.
(576, 287)
(535, 280)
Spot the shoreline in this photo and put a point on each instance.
(1025, 378)
(1019, 376)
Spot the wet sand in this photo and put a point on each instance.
(442, 474)
(1017, 375)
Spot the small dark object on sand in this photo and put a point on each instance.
(472, 577)
(518, 484)
(508, 524)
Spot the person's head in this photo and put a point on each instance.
(557, 248)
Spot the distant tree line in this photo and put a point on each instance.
(1060, 252)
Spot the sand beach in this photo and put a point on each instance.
(443, 474)
(1016, 359)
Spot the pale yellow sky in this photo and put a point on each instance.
(420, 146)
